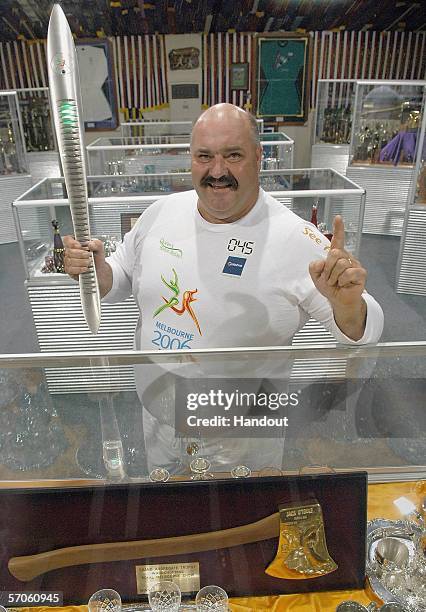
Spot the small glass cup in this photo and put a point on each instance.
(164, 596)
(200, 469)
(159, 475)
(105, 600)
(241, 471)
(211, 599)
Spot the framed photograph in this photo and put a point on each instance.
(97, 84)
(283, 77)
(127, 222)
(239, 76)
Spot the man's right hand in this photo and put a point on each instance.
(77, 260)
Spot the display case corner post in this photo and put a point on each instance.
(361, 222)
(412, 192)
(351, 147)
(18, 230)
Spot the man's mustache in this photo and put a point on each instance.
(223, 181)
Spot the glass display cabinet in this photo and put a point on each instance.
(385, 130)
(333, 122)
(116, 156)
(115, 203)
(39, 132)
(14, 169)
(278, 150)
(99, 489)
(138, 129)
(367, 415)
(129, 155)
(411, 270)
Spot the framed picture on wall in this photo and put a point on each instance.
(97, 84)
(127, 222)
(239, 76)
(283, 63)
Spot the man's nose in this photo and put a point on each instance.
(218, 167)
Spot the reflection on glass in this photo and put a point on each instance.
(31, 434)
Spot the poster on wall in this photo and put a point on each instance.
(187, 58)
(282, 77)
(97, 85)
(239, 76)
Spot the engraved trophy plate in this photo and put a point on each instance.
(185, 575)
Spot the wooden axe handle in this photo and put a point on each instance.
(28, 567)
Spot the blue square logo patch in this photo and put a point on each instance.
(234, 265)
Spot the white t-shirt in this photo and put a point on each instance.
(199, 284)
(204, 285)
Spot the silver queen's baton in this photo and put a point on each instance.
(65, 92)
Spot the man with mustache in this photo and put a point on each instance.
(257, 271)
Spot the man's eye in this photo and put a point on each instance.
(234, 156)
(203, 157)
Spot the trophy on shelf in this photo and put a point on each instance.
(58, 249)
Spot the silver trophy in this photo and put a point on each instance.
(65, 92)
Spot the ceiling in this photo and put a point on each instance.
(90, 18)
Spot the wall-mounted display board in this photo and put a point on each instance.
(97, 85)
(282, 77)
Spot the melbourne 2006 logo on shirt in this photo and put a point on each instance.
(172, 301)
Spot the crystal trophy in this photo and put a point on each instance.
(164, 596)
(105, 600)
(211, 598)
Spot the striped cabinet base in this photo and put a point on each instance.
(412, 257)
(387, 192)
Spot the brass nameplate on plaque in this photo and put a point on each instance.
(186, 576)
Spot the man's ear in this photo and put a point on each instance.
(259, 153)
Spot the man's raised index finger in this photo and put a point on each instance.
(338, 240)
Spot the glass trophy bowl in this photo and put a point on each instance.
(211, 598)
(105, 600)
(164, 596)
